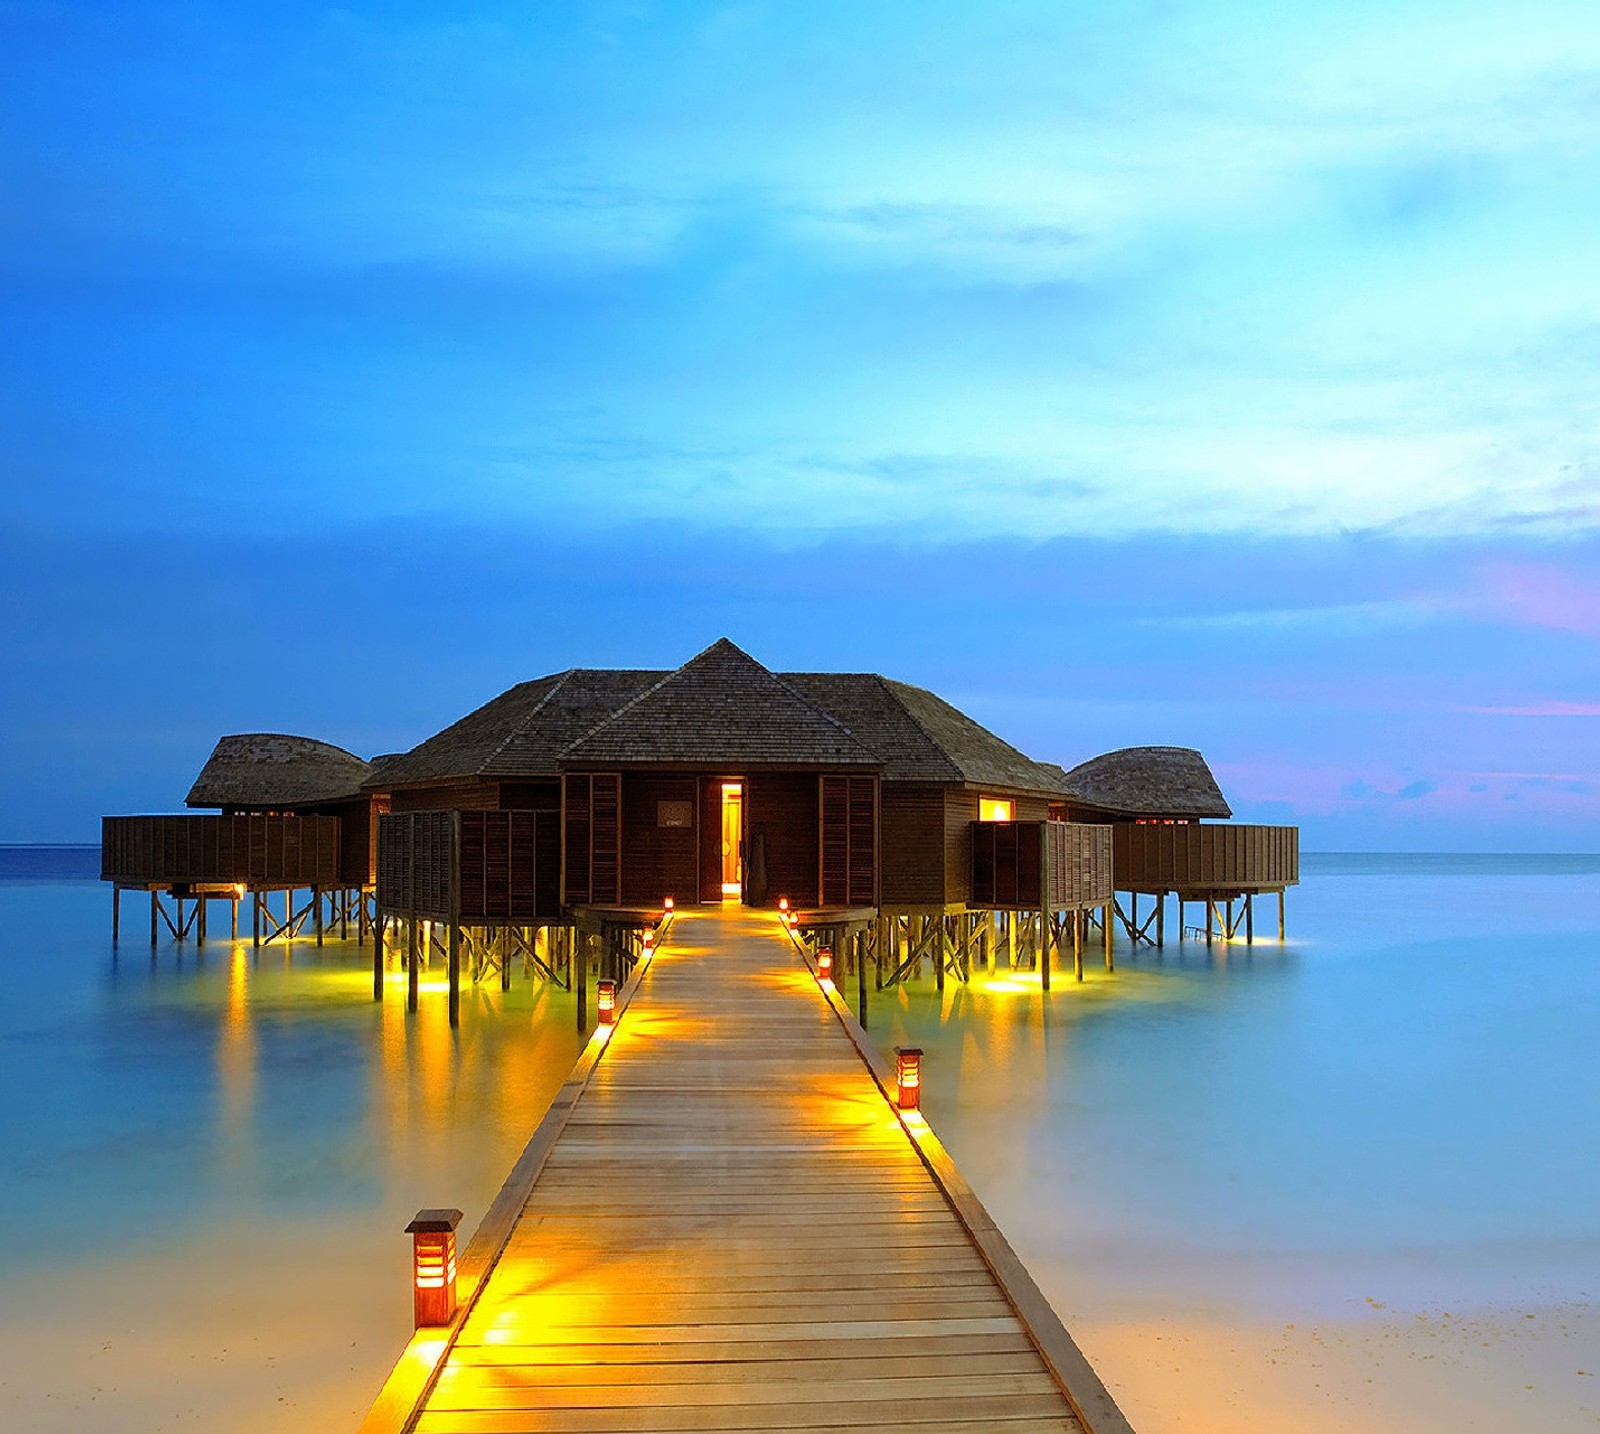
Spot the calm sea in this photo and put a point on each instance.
(1401, 1099)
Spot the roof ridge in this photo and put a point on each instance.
(561, 679)
(754, 662)
(917, 722)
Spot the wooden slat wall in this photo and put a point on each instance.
(209, 850)
(593, 806)
(510, 866)
(1199, 856)
(479, 795)
(1008, 859)
(414, 864)
(960, 811)
(781, 810)
(911, 844)
(848, 841)
(659, 861)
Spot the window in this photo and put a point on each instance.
(994, 809)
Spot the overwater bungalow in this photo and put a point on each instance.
(565, 815)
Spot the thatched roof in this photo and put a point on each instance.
(1148, 782)
(919, 736)
(721, 708)
(521, 732)
(273, 770)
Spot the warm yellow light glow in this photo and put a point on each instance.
(908, 1077)
(825, 964)
(667, 904)
(606, 1002)
(783, 903)
(994, 809)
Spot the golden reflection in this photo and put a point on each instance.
(236, 1062)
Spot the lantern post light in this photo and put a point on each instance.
(433, 1266)
(667, 906)
(908, 1076)
(783, 903)
(793, 920)
(825, 963)
(605, 1000)
(649, 937)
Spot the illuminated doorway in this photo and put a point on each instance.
(733, 840)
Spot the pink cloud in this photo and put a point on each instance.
(1539, 709)
(1538, 595)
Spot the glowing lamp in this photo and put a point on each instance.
(667, 904)
(783, 903)
(605, 1000)
(649, 937)
(433, 1266)
(824, 963)
(908, 1076)
(793, 919)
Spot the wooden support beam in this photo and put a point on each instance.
(1105, 921)
(316, 902)
(1250, 920)
(413, 963)
(154, 899)
(1044, 950)
(255, 916)
(1161, 919)
(1280, 916)
(377, 960)
(116, 914)
(200, 920)
(1078, 920)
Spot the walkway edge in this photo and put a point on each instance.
(1091, 1401)
(414, 1375)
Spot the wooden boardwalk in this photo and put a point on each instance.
(733, 1230)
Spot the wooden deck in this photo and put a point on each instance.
(730, 1228)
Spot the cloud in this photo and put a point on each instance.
(1541, 595)
(1412, 790)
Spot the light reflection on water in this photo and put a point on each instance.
(196, 1091)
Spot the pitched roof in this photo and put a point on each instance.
(920, 736)
(723, 708)
(1149, 781)
(520, 732)
(274, 770)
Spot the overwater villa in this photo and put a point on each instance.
(554, 825)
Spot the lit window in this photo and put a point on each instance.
(994, 809)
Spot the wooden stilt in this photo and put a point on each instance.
(1105, 916)
(154, 898)
(233, 917)
(1077, 943)
(414, 963)
(1280, 916)
(1161, 919)
(1231, 929)
(255, 917)
(505, 958)
(116, 914)
(1044, 950)
(937, 947)
(580, 980)
(1180, 920)
(861, 985)
(200, 920)
(1250, 921)
(179, 937)
(1211, 912)
(453, 940)
(377, 960)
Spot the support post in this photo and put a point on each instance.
(255, 916)
(938, 951)
(453, 936)
(580, 957)
(1250, 920)
(505, 957)
(1161, 918)
(316, 905)
(153, 899)
(1211, 912)
(1280, 916)
(1044, 950)
(413, 964)
(116, 914)
(1077, 943)
(861, 985)
(200, 918)
(1105, 917)
(377, 961)
(233, 917)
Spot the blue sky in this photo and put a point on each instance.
(1189, 373)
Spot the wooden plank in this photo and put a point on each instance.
(726, 1227)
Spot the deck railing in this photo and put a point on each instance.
(1055, 866)
(1202, 857)
(207, 850)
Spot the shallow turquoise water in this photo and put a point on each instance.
(1410, 1085)
(1398, 1103)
